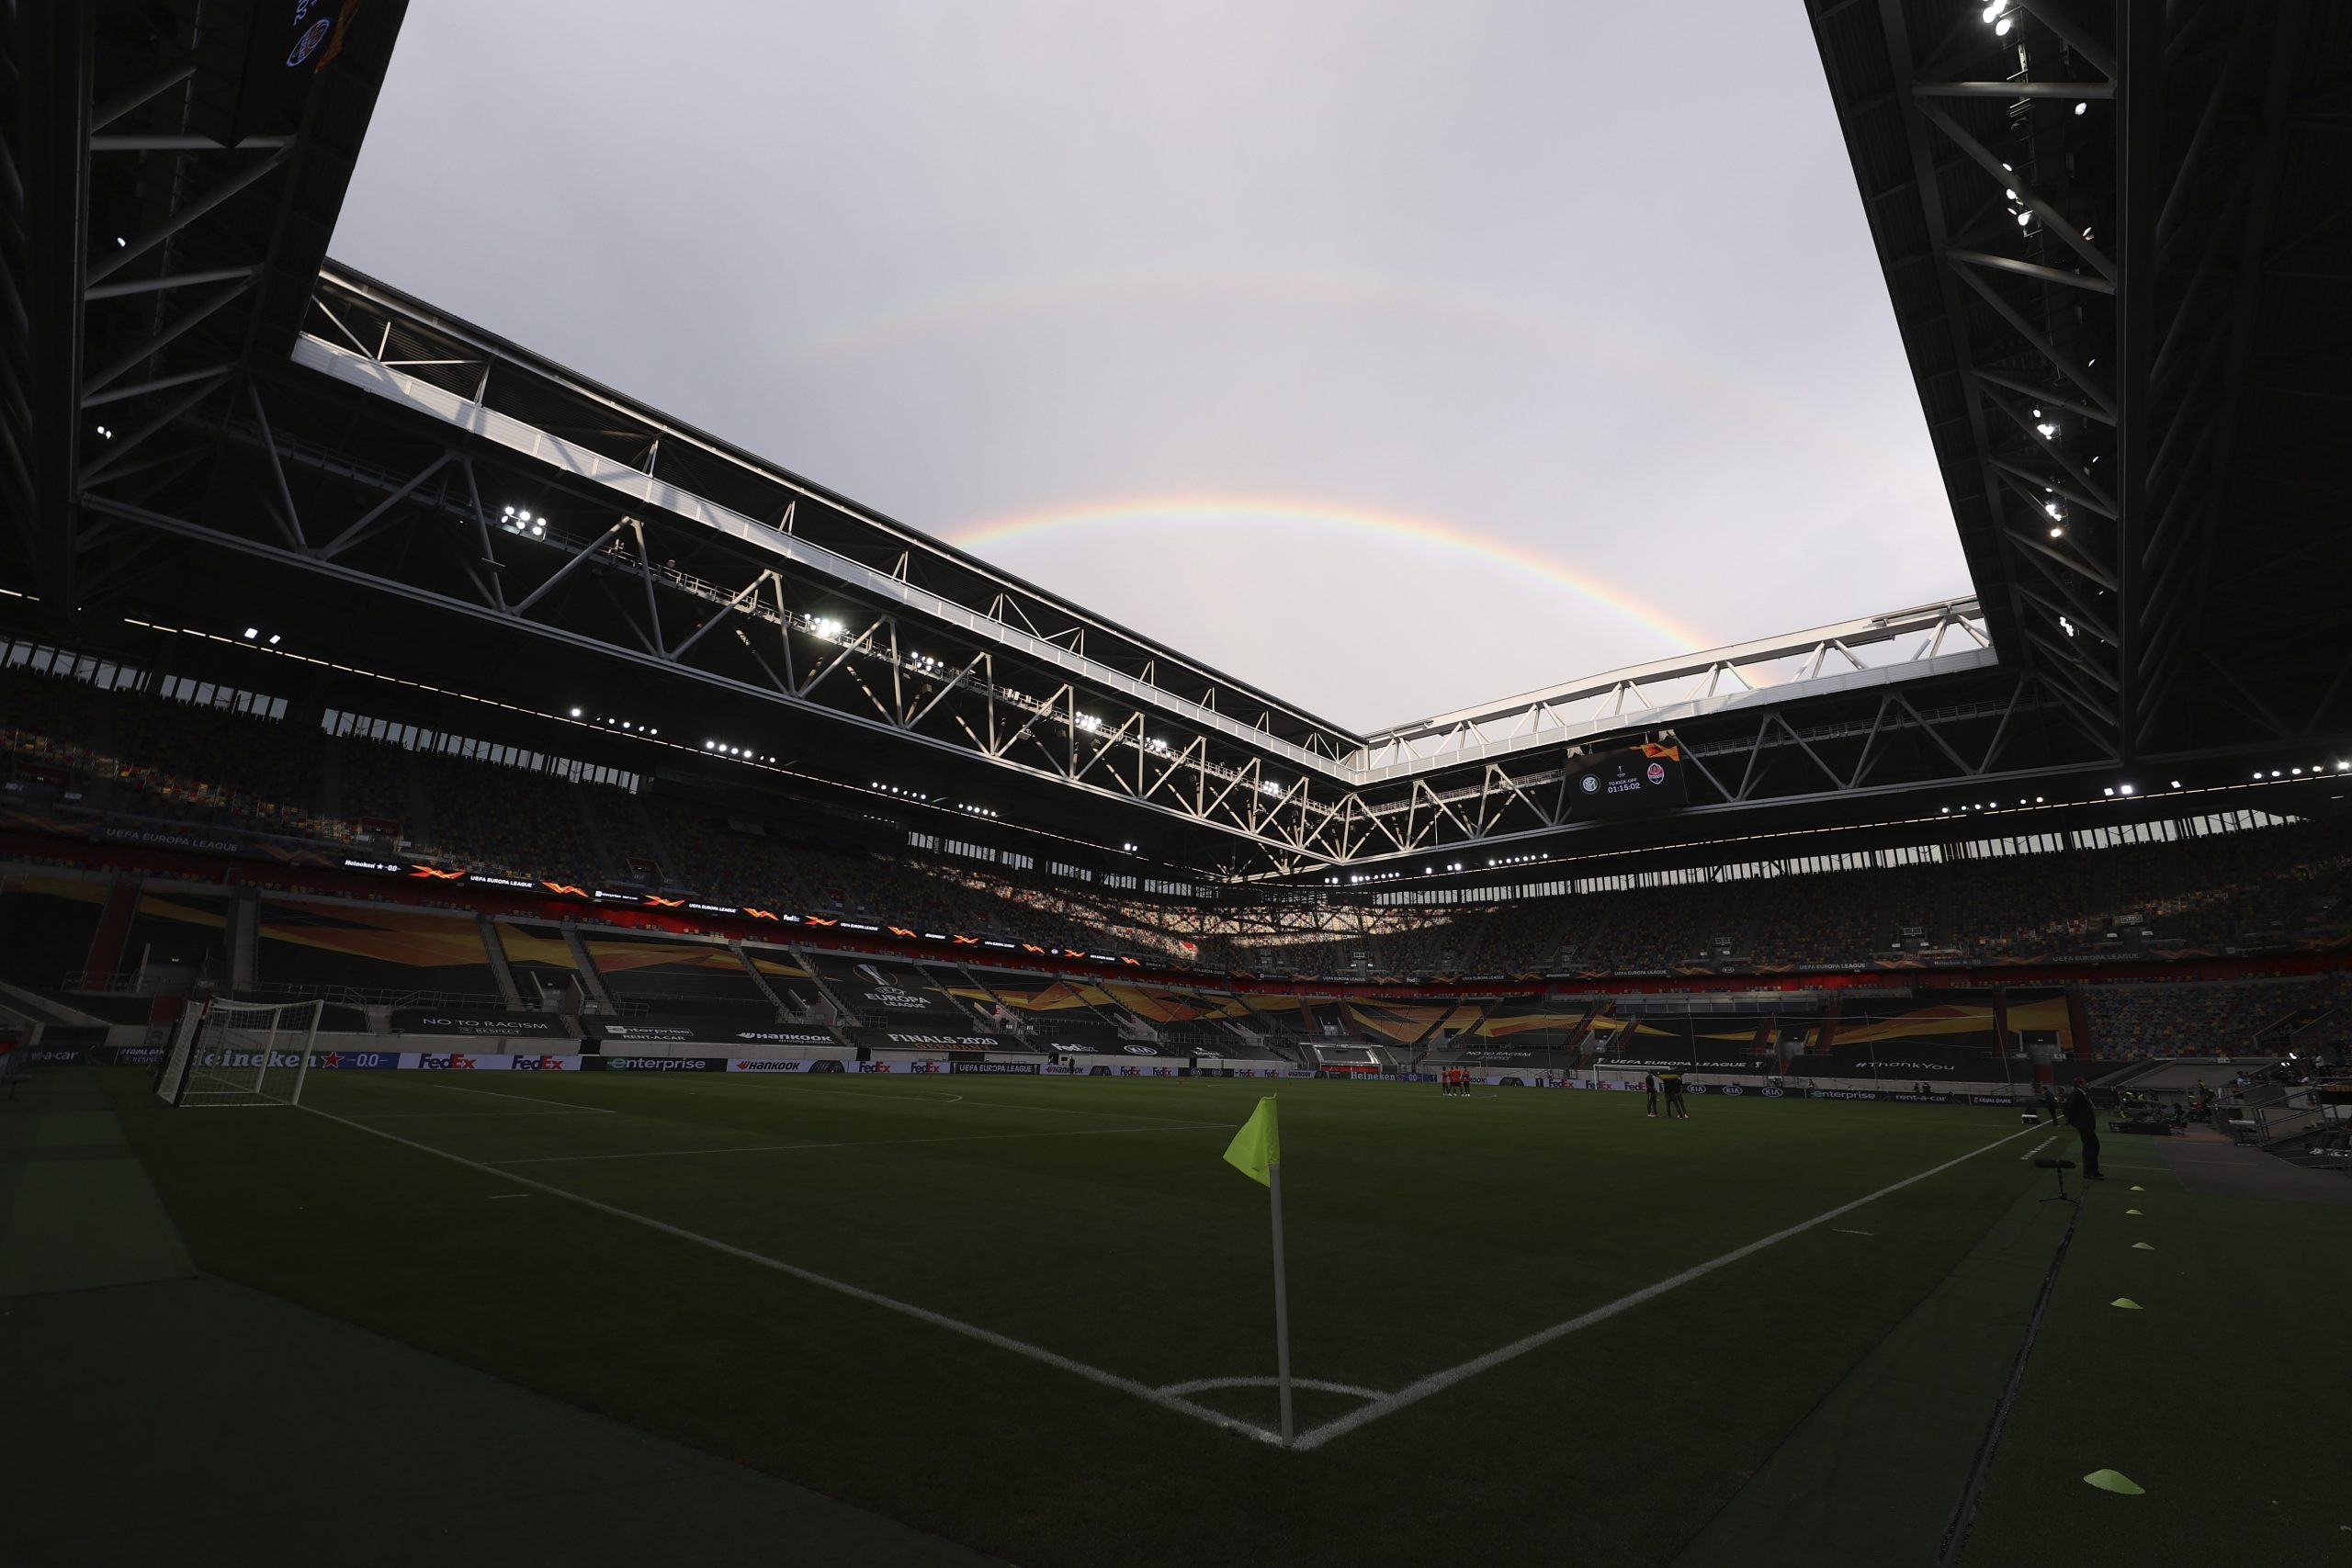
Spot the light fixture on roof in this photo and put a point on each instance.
(2083, 108)
(252, 631)
(575, 713)
(2124, 789)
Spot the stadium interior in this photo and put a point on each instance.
(354, 657)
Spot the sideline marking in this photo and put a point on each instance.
(1144, 1392)
(1422, 1387)
(853, 1143)
(2040, 1146)
(1844, 1232)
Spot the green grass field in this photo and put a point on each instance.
(1095, 1224)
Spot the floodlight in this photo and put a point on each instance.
(2001, 28)
(575, 713)
(2083, 109)
(252, 631)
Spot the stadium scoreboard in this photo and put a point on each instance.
(1646, 777)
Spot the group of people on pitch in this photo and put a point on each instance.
(1677, 1108)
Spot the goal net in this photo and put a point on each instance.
(241, 1053)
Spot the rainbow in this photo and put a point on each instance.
(1160, 510)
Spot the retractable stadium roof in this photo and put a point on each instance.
(209, 425)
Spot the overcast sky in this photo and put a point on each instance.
(1391, 357)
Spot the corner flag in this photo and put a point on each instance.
(1257, 1153)
(1258, 1146)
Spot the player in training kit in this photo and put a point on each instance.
(1675, 1108)
(1649, 1087)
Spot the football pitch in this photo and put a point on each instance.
(1035, 1315)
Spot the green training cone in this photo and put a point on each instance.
(2115, 1481)
(2127, 1304)
(2142, 1246)
(2131, 1211)
(2139, 1190)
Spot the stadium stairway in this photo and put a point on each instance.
(114, 926)
(592, 980)
(735, 946)
(842, 1016)
(495, 950)
(245, 940)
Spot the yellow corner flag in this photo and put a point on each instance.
(1258, 1145)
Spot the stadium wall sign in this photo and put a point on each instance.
(769, 1065)
(478, 1025)
(639, 1029)
(783, 1037)
(654, 1064)
(1026, 1067)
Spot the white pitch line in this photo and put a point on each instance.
(2039, 1147)
(1842, 1230)
(852, 1143)
(1420, 1389)
(1201, 1385)
(501, 1094)
(453, 1115)
(908, 1097)
(1144, 1392)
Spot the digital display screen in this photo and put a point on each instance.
(1639, 778)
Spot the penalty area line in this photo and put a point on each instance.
(1144, 1392)
(1437, 1383)
(501, 1094)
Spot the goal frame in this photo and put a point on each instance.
(289, 1028)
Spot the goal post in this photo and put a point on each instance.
(233, 1053)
